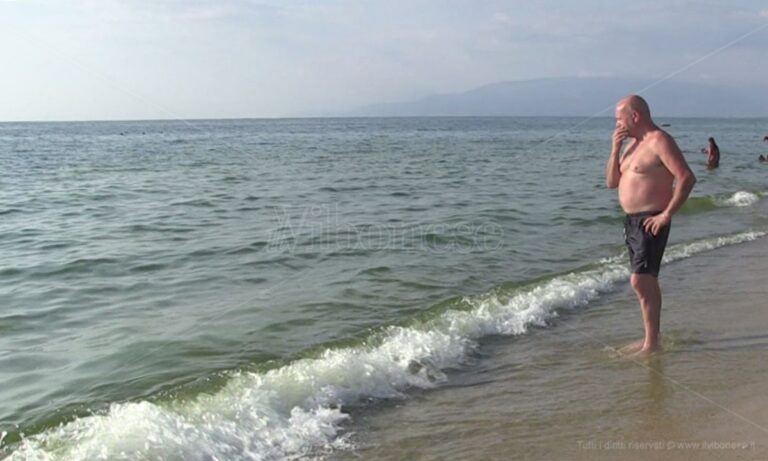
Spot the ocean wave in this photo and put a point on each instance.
(693, 205)
(298, 410)
(736, 199)
(741, 198)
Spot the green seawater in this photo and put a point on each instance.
(153, 261)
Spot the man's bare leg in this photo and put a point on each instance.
(647, 289)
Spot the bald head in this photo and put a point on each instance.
(633, 113)
(637, 104)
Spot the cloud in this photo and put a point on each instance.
(502, 18)
(160, 10)
(278, 57)
(206, 12)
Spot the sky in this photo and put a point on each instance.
(185, 59)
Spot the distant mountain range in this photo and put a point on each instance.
(578, 96)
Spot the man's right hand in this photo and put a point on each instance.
(619, 135)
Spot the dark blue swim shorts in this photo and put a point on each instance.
(645, 249)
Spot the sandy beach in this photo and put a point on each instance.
(713, 375)
(567, 394)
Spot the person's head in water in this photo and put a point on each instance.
(761, 158)
(633, 113)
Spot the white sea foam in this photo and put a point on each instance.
(296, 410)
(741, 199)
(687, 250)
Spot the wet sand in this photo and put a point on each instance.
(716, 306)
(563, 392)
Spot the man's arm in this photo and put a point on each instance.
(672, 158)
(612, 171)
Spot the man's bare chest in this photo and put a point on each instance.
(640, 161)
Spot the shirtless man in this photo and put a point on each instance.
(645, 175)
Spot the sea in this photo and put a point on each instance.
(269, 289)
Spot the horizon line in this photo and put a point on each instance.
(340, 117)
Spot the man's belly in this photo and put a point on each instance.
(640, 193)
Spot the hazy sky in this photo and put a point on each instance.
(138, 59)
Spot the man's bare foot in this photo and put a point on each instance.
(632, 348)
(644, 352)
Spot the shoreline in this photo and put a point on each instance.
(709, 383)
(561, 392)
(735, 345)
